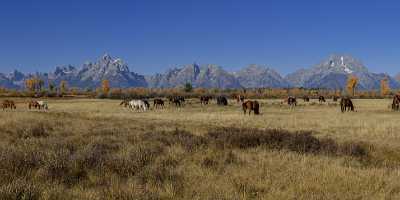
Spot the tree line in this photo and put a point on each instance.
(36, 87)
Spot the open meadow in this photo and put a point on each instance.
(96, 149)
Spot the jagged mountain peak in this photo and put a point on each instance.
(260, 76)
(341, 63)
(65, 70)
(333, 73)
(16, 75)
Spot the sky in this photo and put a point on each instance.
(151, 36)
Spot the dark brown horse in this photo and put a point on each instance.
(8, 104)
(222, 101)
(251, 106)
(292, 101)
(33, 105)
(321, 99)
(158, 103)
(204, 100)
(335, 98)
(346, 104)
(396, 102)
(306, 99)
(178, 101)
(124, 103)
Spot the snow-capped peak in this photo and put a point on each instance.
(347, 70)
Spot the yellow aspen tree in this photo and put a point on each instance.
(385, 88)
(63, 87)
(105, 86)
(351, 84)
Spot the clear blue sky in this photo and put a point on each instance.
(37, 35)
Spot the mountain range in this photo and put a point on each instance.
(331, 73)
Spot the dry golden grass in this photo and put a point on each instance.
(95, 149)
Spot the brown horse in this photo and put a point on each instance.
(335, 98)
(292, 101)
(306, 99)
(158, 103)
(33, 105)
(346, 104)
(125, 103)
(251, 106)
(396, 102)
(204, 100)
(178, 101)
(8, 104)
(321, 99)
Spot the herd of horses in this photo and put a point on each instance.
(39, 105)
(248, 106)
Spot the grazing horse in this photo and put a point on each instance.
(335, 98)
(158, 103)
(306, 99)
(222, 101)
(396, 102)
(43, 105)
(138, 105)
(251, 106)
(124, 103)
(147, 103)
(178, 101)
(346, 104)
(33, 104)
(292, 101)
(321, 99)
(204, 100)
(8, 104)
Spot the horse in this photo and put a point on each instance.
(251, 106)
(8, 104)
(204, 100)
(33, 104)
(335, 98)
(321, 99)
(222, 101)
(124, 103)
(396, 102)
(43, 105)
(346, 104)
(306, 99)
(138, 105)
(147, 103)
(178, 101)
(292, 101)
(158, 103)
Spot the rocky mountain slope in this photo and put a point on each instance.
(206, 76)
(260, 76)
(333, 72)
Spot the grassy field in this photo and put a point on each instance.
(95, 149)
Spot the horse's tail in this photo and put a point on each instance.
(256, 108)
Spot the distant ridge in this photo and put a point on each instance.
(331, 73)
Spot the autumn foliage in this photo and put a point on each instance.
(351, 84)
(105, 86)
(385, 88)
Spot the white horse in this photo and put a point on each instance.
(138, 105)
(43, 105)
